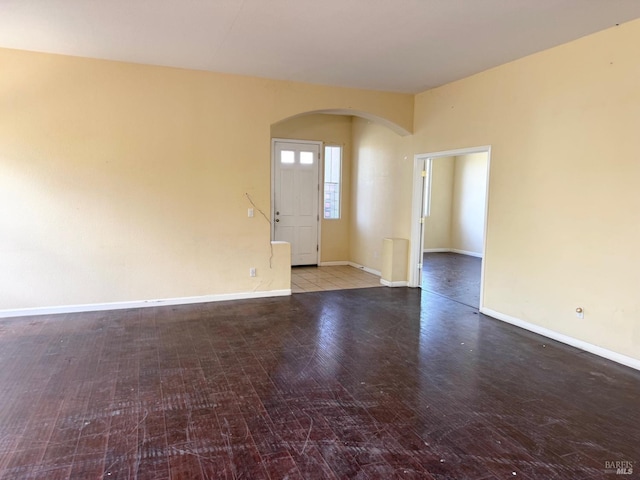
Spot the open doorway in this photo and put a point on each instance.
(450, 213)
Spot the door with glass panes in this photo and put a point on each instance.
(296, 186)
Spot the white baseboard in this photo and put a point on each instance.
(452, 250)
(333, 264)
(466, 252)
(560, 337)
(366, 269)
(387, 283)
(96, 307)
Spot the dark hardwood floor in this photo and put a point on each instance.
(377, 383)
(452, 275)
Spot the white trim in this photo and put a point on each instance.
(451, 250)
(387, 283)
(566, 339)
(417, 231)
(456, 152)
(366, 269)
(486, 225)
(333, 264)
(320, 198)
(426, 196)
(466, 252)
(98, 307)
(295, 140)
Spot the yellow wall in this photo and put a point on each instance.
(331, 130)
(126, 182)
(382, 165)
(458, 193)
(468, 203)
(564, 205)
(122, 182)
(437, 226)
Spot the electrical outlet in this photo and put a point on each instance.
(250, 213)
(252, 272)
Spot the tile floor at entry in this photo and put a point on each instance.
(340, 277)
(382, 383)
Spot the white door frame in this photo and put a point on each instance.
(320, 184)
(422, 162)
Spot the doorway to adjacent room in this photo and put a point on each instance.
(449, 223)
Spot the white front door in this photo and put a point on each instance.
(296, 185)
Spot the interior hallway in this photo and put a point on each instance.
(452, 275)
(364, 383)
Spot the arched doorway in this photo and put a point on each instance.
(352, 233)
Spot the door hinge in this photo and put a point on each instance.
(424, 173)
(421, 219)
(318, 217)
(317, 248)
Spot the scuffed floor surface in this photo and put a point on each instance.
(452, 275)
(372, 383)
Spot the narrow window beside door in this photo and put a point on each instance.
(332, 177)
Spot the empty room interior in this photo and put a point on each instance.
(269, 240)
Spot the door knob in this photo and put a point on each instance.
(277, 219)
(277, 213)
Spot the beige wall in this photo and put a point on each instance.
(331, 130)
(437, 226)
(122, 182)
(564, 204)
(468, 203)
(127, 182)
(458, 193)
(382, 165)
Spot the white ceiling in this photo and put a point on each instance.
(395, 45)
